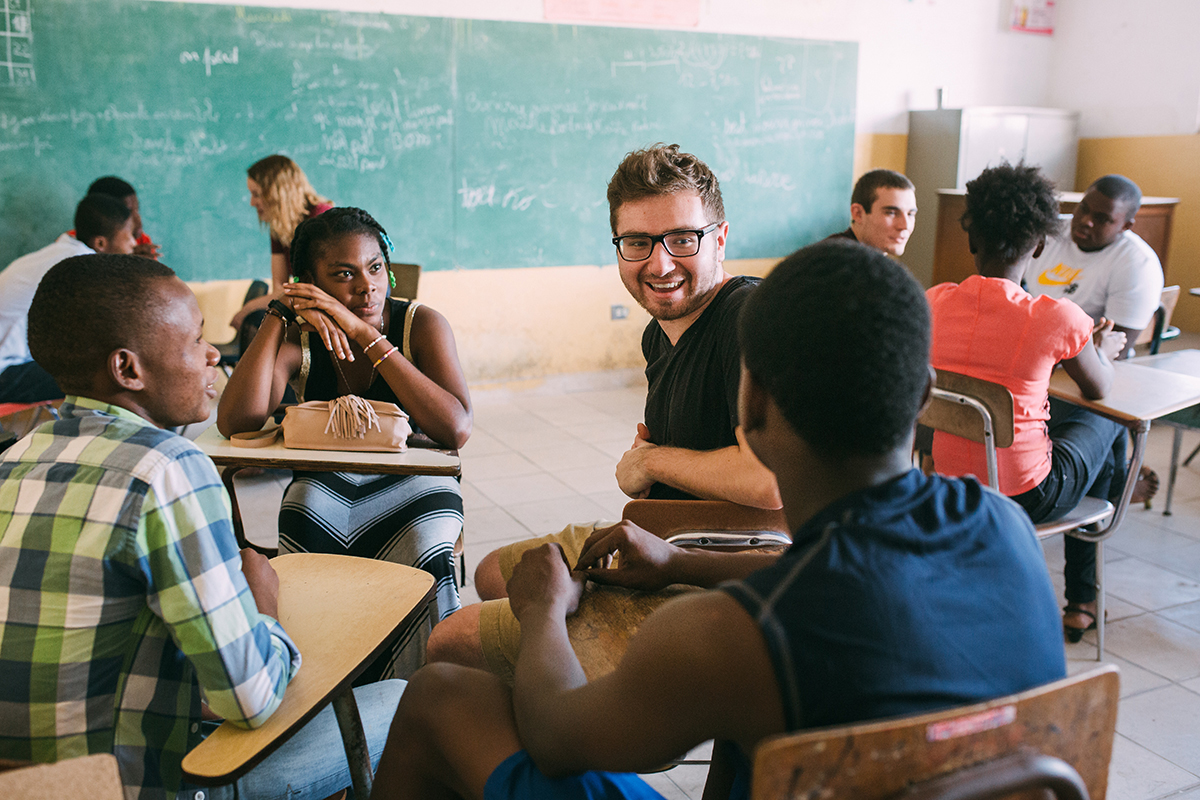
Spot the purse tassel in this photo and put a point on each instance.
(350, 417)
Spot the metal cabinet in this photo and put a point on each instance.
(949, 146)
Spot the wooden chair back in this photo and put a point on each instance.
(974, 409)
(952, 417)
(95, 777)
(997, 749)
(408, 276)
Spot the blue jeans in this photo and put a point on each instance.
(312, 764)
(1088, 459)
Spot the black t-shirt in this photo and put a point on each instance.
(692, 399)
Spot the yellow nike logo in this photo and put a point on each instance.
(1061, 275)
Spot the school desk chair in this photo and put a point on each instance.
(609, 617)
(408, 276)
(1055, 738)
(1160, 328)
(94, 776)
(982, 411)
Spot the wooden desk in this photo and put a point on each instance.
(413, 461)
(1138, 395)
(341, 612)
(952, 259)
(1185, 362)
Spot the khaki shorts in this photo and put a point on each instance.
(499, 631)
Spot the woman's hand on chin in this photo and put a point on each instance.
(307, 297)
(335, 339)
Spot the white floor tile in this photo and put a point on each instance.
(521, 489)
(1148, 585)
(569, 455)
(1136, 773)
(605, 432)
(497, 465)
(661, 782)
(534, 438)
(1156, 644)
(591, 479)
(552, 515)
(1134, 679)
(481, 443)
(472, 497)
(1165, 721)
(492, 524)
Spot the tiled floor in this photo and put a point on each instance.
(542, 457)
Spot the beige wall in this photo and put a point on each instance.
(879, 151)
(1167, 166)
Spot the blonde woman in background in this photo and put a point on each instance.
(283, 197)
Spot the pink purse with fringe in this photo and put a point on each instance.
(349, 422)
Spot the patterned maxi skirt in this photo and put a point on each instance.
(407, 519)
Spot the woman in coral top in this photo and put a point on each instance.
(990, 328)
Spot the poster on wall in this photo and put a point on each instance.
(1033, 16)
(673, 13)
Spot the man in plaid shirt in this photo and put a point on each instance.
(122, 591)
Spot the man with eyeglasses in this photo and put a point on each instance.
(669, 229)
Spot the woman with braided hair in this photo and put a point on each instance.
(354, 339)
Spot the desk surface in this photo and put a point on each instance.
(1139, 392)
(413, 461)
(341, 612)
(1185, 362)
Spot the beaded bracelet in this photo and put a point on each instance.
(374, 342)
(384, 358)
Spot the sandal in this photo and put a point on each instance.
(1146, 488)
(1072, 633)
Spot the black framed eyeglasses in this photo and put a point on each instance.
(681, 244)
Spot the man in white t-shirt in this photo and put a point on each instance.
(1103, 266)
(103, 224)
(1111, 273)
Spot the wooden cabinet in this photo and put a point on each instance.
(952, 259)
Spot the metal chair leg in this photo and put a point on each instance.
(1175, 446)
(1188, 460)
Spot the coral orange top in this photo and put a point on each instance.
(991, 328)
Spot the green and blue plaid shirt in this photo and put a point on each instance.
(121, 597)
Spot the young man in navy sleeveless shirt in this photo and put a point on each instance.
(901, 593)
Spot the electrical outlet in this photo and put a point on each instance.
(620, 312)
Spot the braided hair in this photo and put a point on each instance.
(311, 236)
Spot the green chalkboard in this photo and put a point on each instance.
(478, 144)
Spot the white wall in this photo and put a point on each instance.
(907, 48)
(1132, 68)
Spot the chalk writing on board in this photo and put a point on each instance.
(36, 144)
(259, 16)
(210, 58)
(770, 180)
(517, 199)
(16, 58)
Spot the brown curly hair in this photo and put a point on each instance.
(661, 170)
